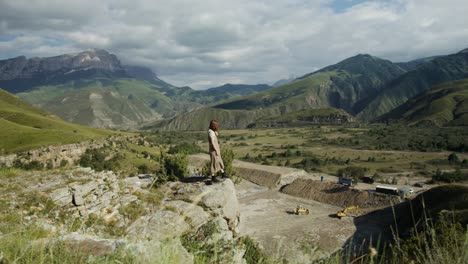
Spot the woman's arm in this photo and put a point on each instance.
(212, 142)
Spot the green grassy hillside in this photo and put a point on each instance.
(200, 119)
(260, 118)
(227, 91)
(105, 102)
(308, 117)
(411, 65)
(125, 102)
(446, 104)
(345, 85)
(103, 93)
(437, 71)
(23, 127)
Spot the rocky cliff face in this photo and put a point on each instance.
(22, 68)
(21, 74)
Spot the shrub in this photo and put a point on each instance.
(153, 197)
(49, 165)
(174, 167)
(97, 160)
(63, 163)
(185, 148)
(33, 165)
(464, 163)
(309, 164)
(352, 172)
(132, 211)
(228, 157)
(253, 253)
(444, 241)
(456, 176)
(6, 172)
(388, 170)
(143, 169)
(453, 159)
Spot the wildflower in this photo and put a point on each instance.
(372, 252)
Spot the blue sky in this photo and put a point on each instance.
(211, 42)
(340, 6)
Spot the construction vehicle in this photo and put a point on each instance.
(301, 210)
(348, 210)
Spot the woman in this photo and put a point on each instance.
(216, 164)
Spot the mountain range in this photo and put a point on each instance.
(433, 72)
(443, 105)
(93, 88)
(363, 85)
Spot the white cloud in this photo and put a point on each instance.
(211, 42)
(89, 39)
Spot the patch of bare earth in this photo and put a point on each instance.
(267, 216)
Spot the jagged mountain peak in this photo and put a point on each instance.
(359, 59)
(35, 68)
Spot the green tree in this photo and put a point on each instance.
(453, 159)
(352, 172)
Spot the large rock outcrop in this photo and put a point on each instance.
(96, 213)
(263, 175)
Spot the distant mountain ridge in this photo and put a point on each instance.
(20, 67)
(145, 73)
(343, 85)
(283, 81)
(362, 85)
(20, 74)
(94, 88)
(411, 65)
(437, 71)
(228, 90)
(445, 104)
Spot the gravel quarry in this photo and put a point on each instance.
(267, 217)
(268, 196)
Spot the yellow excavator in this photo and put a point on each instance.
(301, 210)
(348, 210)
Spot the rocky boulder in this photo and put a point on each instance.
(219, 199)
(176, 223)
(161, 225)
(90, 245)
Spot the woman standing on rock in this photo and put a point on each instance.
(216, 164)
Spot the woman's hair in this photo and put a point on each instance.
(214, 125)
